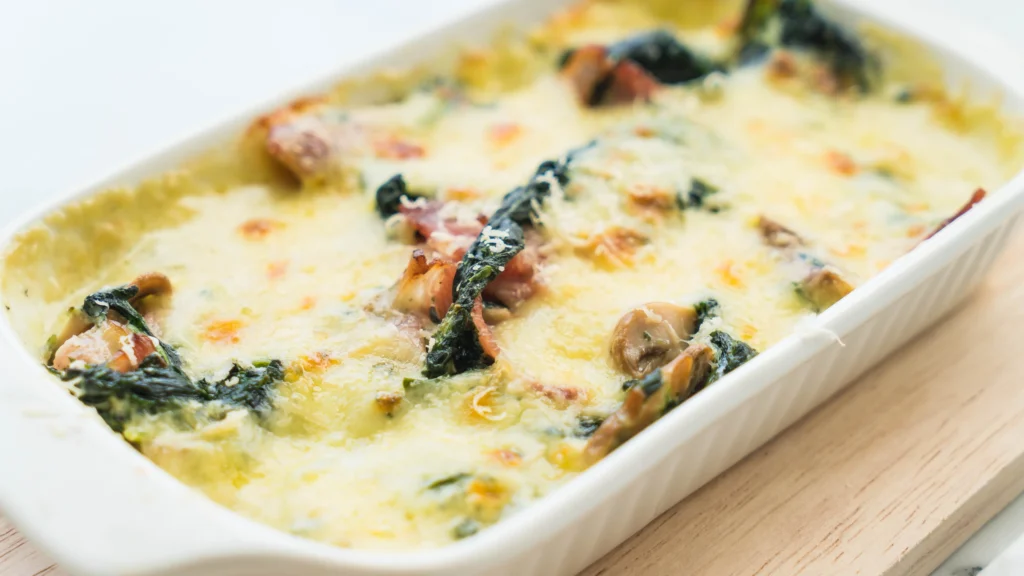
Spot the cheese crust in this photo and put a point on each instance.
(276, 248)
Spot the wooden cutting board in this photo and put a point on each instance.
(887, 478)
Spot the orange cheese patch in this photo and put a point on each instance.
(258, 228)
(222, 331)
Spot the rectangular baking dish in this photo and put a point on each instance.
(100, 508)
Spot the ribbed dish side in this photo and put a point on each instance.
(723, 443)
(750, 424)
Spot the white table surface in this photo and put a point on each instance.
(86, 85)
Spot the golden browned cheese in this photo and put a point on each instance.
(262, 268)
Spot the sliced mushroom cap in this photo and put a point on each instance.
(151, 284)
(684, 376)
(650, 336)
(153, 287)
(823, 288)
(650, 399)
(777, 235)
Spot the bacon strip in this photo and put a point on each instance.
(451, 238)
(426, 288)
(487, 341)
(426, 218)
(629, 82)
(978, 196)
(110, 343)
(131, 354)
(304, 145)
(309, 142)
(586, 69)
(313, 139)
(598, 80)
(517, 283)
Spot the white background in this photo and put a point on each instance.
(87, 85)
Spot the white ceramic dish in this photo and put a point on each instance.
(100, 508)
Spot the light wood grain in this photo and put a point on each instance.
(19, 558)
(887, 478)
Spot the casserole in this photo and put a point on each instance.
(722, 448)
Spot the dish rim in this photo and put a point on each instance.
(980, 53)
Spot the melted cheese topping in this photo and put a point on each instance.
(351, 456)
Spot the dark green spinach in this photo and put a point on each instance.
(97, 305)
(390, 193)
(157, 387)
(456, 343)
(730, 354)
(696, 196)
(705, 309)
(663, 57)
(798, 24)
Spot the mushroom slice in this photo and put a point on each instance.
(823, 288)
(151, 284)
(650, 336)
(777, 235)
(650, 398)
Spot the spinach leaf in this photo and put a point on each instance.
(696, 196)
(659, 53)
(389, 196)
(663, 56)
(705, 309)
(456, 345)
(649, 384)
(730, 354)
(448, 480)
(156, 387)
(250, 388)
(465, 529)
(587, 425)
(798, 24)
